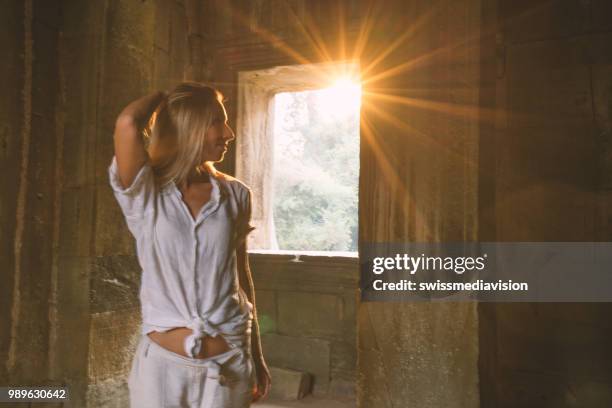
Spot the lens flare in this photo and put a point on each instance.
(342, 98)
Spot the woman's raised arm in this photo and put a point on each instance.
(129, 146)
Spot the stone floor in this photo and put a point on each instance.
(307, 402)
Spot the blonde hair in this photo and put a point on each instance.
(177, 128)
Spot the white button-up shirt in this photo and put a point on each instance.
(189, 268)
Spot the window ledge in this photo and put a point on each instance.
(279, 255)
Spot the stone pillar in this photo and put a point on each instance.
(419, 183)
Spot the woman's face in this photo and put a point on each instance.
(217, 137)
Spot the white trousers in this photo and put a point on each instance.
(162, 379)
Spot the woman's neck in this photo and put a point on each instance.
(197, 177)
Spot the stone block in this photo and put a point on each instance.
(75, 225)
(112, 393)
(289, 384)
(302, 354)
(47, 13)
(432, 347)
(162, 24)
(179, 49)
(161, 71)
(112, 234)
(554, 338)
(548, 83)
(344, 359)
(522, 388)
(541, 20)
(69, 354)
(372, 378)
(44, 77)
(115, 282)
(78, 141)
(601, 12)
(309, 314)
(113, 338)
(328, 275)
(342, 388)
(266, 310)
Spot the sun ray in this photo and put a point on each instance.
(388, 171)
(397, 42)
(423, 138)
(456, 110)
(400, 124)
(340, 18)
(466, 45)
(364, 32)
(463, 111)
(311, 35)
(272, 39)
(409, 65)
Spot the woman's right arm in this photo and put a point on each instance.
(129, 146)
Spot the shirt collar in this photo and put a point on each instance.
(217, 195)
(218, 188)
(215, 178)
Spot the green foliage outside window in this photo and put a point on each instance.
(316, 174)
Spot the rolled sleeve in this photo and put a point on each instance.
(245, 225)
(137, 199)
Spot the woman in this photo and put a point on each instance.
(200, 345)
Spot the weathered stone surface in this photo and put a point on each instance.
(557, 68)
(289, 384)
(127, 70)
(112, 340)
(162, 24)
(70, 351)
(601, 10)
(11, 119)
(31, 193)
(344, 358)
(541, 20)
(112, 237)
(441, 369)
(266, 310)
(343, 388)
(376, 379)
(75, 224)
(309, 314)
(115, 282)
(315, 298)
(112, 393)
(178, 43)
(301, 354)
(325, 275)
(161, 73)
(521, 388)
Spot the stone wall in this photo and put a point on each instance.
(144, 47)
(12, 113)
(307, 308)
(551, 85)
(68, 303)
(419, 183)
(30, 144)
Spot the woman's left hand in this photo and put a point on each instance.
(264, 382)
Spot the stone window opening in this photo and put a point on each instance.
(266, 99)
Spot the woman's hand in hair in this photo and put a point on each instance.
(140, 110)
(129, 147)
